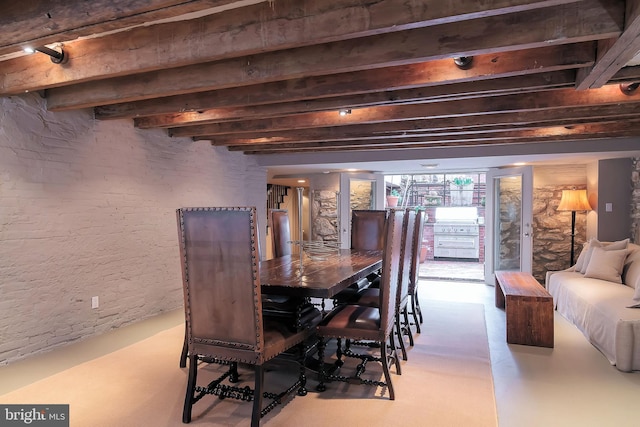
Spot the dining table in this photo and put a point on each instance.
(302, 275)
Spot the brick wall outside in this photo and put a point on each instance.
(87, 208)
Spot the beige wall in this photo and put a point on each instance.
(87, 208)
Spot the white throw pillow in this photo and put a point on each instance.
(607, 246)
(631, 271)
(606, 264)
(582, 256)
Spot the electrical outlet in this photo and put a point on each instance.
(95, 302)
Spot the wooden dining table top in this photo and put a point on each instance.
(322, 278)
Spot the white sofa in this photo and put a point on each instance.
(600, 295)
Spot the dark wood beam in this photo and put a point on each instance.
(552, 99)
(529, 119)
(420, 75)
(241, 32)
(565, 24)
(39, 22)
(613, 54)
(588, 132)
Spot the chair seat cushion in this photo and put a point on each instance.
(370, 298)
(353, 321)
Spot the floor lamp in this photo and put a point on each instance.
(574, 200)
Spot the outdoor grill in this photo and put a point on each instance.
(456, 233)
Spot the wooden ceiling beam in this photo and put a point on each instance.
(590, 132)
(542, 118)
(452, 83)
(428, 74)
(581, 21)
(240, 32)
(613, 54)
(552, 99)
(39, 22)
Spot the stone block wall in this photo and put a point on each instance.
(635, 201)
(87, 208)
(552, 231)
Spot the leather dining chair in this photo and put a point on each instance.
(280, 232)
(367, 234)
(287, 308)
(374, 324)
(418, 234)
(372, 296)
(223, 308)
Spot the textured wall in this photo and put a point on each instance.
(635, 201)
(87, 208)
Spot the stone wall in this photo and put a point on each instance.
(87, 208)
(635, 201)
(324, 214)
(552, 231)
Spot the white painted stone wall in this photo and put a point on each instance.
(87, 208)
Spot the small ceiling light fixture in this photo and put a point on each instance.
(629, 88)
(344, 111)
(56, 57)
(463, 62)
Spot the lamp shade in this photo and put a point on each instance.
(574, 200)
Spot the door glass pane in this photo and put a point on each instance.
(508, 227)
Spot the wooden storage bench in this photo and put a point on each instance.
(528, 306)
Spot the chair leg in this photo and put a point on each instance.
(191, 389)
(321, 372)
(415, 296)
(414, 313)
(398, 330)
(302, 390)
(185, 350)
(405, 315)
(394, 353)
(257, 396)
(385, 368)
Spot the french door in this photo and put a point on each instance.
(509, 218)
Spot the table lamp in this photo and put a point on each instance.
(574, 200)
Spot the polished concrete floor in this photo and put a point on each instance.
(452, 270)
(572, 384)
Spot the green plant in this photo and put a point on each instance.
(461, 181)
(395, 193)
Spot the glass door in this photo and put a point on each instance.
(508, 238)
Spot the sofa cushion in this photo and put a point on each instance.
(606, 265)
(599, 309)
(607, 246)
(631, 271)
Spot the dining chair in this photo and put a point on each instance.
(367, 234)
(372, 296)
(418, 234)
(288, 308)
(281, 306)
(357, 322)
(223, 308)
(280, 232)
(402, 296)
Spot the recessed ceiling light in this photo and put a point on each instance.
(430, 165)
(519, 164)
(344, 111)
(302, 181)
(351, 170)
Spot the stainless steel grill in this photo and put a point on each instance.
(456, 233)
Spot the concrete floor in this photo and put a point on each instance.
(452, 270)
(572, 384)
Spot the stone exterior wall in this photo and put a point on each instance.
(324, 214)
(361, 196)
(87, 208)
(635, 201)
(552, 231)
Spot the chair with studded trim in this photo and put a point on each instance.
(223, 307)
